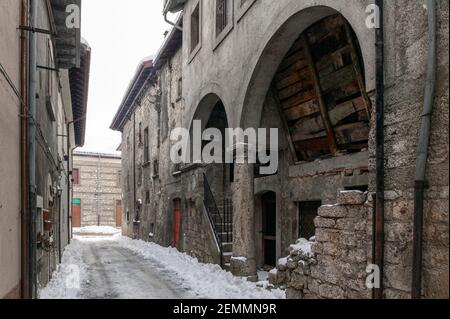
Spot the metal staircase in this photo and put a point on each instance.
(221, 219)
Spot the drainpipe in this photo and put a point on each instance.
(175, 25)
(24, 155)
(422, 152)
(69, 191)
(32, 149)
(379, 202)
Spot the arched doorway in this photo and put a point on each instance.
(217, 175)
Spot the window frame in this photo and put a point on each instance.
(242, 9)
(219, 37)
(76, 181)
(146, 146)
(194, 50)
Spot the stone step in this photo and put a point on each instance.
(227, 257)
(227, 247)
(227, 267)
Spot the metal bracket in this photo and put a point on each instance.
(36, 30)
(47, 68)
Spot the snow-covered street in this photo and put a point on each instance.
(102, 264)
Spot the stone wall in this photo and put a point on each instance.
(333, 265)
(98, 174)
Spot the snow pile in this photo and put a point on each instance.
(96, 230)
(302, 248)
(66, 281)
(205, 280)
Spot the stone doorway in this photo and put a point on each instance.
(266, 228)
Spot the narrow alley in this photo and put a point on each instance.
(101, 264)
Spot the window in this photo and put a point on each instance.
(50, 65)
(195, 27)
(76, 176)
(119, 178)
(155, 168)
(164, 114)
(146, 147)
(179, 88)
(140, 133)
(307, 212)
(147, 197)
(221, 15)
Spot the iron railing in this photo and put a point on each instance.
(220, 219)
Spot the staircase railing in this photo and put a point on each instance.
(215, 217)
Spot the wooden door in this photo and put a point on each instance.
(119, 213)
(76, 215)
(269, 218)
(176, 223)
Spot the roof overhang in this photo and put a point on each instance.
(127, 106)
(173, 6)
(79, 89)
(67, 39)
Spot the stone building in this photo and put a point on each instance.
(314, 71)
(97, 190)
(44, 80)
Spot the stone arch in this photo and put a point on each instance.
(204, 103)
(288, 26)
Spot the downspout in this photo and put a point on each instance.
(379, 202)
(422, 152)
(175, 25)
(69, 192)
(24, 155)
(134, 174)
(32, 149)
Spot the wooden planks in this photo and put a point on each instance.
(320, 90)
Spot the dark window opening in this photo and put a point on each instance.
(221, 15)
(362, 188)
(76, 176)
(195, 27)
(180, 88)
(147, 197)
(155, 168)
(307, 212)
(146, 147)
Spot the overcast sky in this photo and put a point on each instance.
(121, 33)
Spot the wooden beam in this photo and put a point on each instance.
(322, 106)
(302, 110)
(357, 67)
(287, 132)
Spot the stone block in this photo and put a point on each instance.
(352, 198)
(321, 222)
(331, 292)
(332, 211)
(297, 281)
(292, 293)
(326, 235)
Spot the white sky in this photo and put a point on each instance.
(121, 33)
